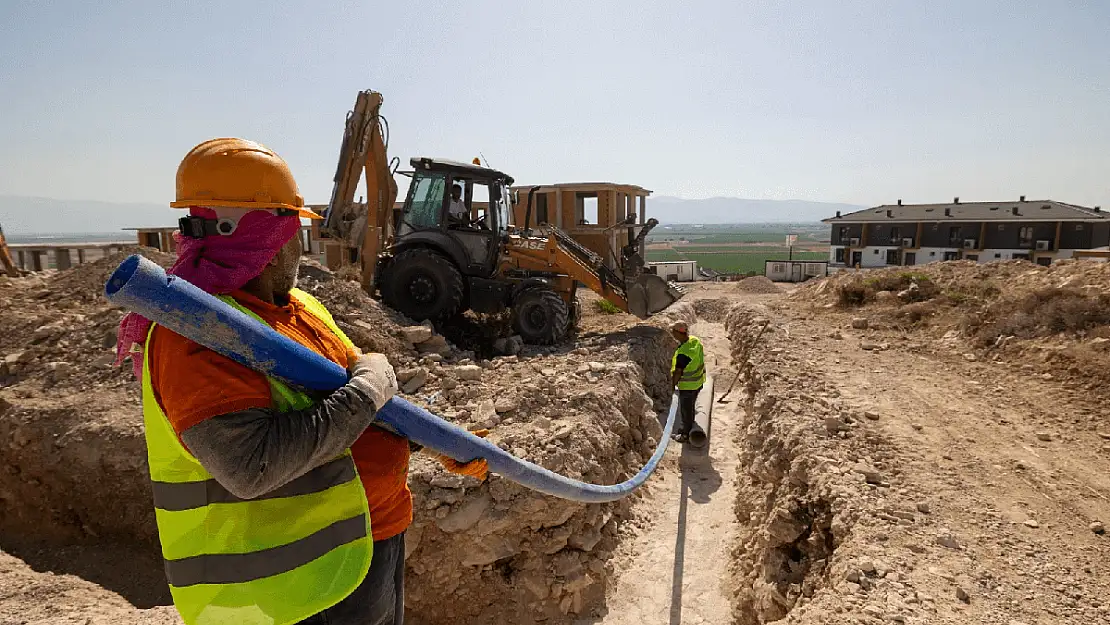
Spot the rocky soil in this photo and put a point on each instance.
(925, 447)
(890, 482)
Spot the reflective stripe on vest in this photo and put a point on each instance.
(693, 375)
(275, 559)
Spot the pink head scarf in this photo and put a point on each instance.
(216, 264)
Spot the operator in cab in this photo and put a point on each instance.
(456, 208)
(687, 375)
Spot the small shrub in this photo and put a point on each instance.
(957, 297)
(606, 307)
(1043, 312)
(853, 294)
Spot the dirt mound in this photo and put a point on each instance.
(757, 284)
(712, 310)
(1053, 316)
(87, 281)
(958, 280)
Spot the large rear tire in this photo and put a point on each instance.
(422, 284)
(540, 316)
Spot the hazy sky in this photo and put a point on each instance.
(852, 101)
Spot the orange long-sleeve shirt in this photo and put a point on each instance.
(193, 383)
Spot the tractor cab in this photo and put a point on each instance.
(461, 209)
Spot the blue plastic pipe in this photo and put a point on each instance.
(143, 287)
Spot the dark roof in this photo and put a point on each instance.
(1040, 210)
(455, 167)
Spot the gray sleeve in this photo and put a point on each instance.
(252, 452)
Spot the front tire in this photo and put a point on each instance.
(540, 316)
(422, 284)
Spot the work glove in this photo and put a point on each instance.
(477, 469)
(372, 374)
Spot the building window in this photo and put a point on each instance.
(895, 235)
(839, 255)
(951, 255)
(997, 255)
(843, 234)
(892, 257)
(541, 209)
(954, 236)
(974, 257)
(1025, 236)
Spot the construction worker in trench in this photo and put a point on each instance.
(687, 375)
(273, 506)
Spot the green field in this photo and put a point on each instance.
(738, 233)
(729, 237)
(658, 255)
(729, 249)
(732, 263)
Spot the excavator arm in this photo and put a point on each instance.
(541, 255)
(637, 292)
(362, 231)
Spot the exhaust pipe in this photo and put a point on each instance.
(143, 287)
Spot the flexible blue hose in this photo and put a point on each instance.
(143, 287)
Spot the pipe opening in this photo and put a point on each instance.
(121, 275)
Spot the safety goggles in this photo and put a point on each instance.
(225, 223)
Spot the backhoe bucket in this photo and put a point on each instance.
(649, 294)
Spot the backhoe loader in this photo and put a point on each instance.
(431, 260)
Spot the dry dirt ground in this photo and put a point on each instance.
(993, 481)
(913, 485)
(859, 475)
(673, 570)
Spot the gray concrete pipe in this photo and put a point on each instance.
(703, 415)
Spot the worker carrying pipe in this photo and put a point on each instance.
(688, 376)
(272, 505)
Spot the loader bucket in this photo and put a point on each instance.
(649, 294)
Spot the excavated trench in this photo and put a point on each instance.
(814, 478)
(790, 511)
(73, 479)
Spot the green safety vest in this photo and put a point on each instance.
(693, 376)
(273, 560)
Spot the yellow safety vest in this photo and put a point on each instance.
(693, 376)
(273, 560)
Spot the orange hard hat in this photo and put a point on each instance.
(237, 173)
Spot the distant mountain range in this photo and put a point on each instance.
(22, 216)
(731, 210)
